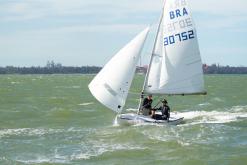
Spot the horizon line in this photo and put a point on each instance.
(143, 65)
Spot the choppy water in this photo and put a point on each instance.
(55, 120)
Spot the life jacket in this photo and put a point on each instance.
(147, 103)
(165, 111)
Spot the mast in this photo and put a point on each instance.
(149, 66)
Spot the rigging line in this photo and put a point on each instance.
(146, 76)
(158, 102)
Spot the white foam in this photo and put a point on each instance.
(42, 159)
(34, 131)
(68, 87)
(131, 110)
(204, 104)
(183, 143)
(85, 104)
(218, 99)
(99, 148)
(239, 108)
(165, 135)
(76, 87)
(225, 116)
(115, 122)
(13, 82)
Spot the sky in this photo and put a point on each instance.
(90, 32)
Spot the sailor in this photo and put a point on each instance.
(165, 111)
(146, 108)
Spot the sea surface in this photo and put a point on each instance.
(53, 119)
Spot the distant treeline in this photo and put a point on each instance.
(217, 69)
(50, 68)
(57, 68)
(211, 69)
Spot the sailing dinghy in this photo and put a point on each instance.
(175, 66)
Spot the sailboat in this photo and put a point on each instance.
(175, 66)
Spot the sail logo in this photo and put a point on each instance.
(178, 13)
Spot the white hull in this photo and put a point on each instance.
(132, 118)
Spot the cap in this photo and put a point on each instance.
(164, 101)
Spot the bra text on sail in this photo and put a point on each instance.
(178, 13)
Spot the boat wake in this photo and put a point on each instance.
(217, 116)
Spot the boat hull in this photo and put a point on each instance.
(131, 118)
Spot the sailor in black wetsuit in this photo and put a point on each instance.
(146, 108)
(165, 111)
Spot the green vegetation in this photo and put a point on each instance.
(217, 69)
(57, 68)
(50, 68)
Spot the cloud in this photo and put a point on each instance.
(223, 15)
(20, 11)
(98, 28)
(220, 14)
(30, 10)
(71, 26)
(227, 23)
(234, 56)
(220, 7)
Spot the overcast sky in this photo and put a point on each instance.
(90, 32)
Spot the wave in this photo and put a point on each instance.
(85, 153)
(85, 104)
(100, 148)
(43, 159)
(217, 116)
(39, 131)
(87, 146)
(27, 132)
(15, 82)
(67, 87)
(217, 99)
(204, 104)
(200, 127)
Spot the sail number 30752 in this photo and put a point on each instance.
(179, 37)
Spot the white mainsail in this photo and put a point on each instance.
(111, 85)
(175, 66)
